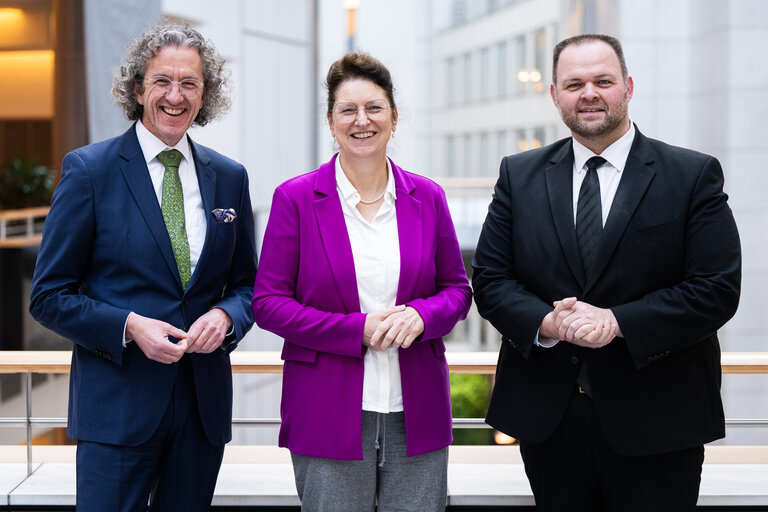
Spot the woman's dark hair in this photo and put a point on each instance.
(358, 65)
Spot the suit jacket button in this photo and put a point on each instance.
(574, 360)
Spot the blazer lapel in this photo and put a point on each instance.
(559, 179)
(410, 227)
(206, 178)
(333, 232)
(139, 183)
(635, 179)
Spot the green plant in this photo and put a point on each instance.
(470, 395)
(24, 184)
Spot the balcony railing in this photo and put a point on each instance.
(58, 362)
(22, 228)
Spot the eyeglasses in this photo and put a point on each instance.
(374, 110)
(188, 87)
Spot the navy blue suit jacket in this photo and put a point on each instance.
(669, 269)
(106, 252)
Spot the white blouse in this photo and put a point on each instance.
(376, 252)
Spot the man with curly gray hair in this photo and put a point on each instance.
(147, 264)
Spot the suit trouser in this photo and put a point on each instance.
(576, 470)
(176, 469)
(386, 479)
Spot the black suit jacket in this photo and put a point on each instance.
(669, 268)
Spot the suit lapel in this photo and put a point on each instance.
(559, 179)
(206, 178)
(136, 175)
(410, 227)
(333, 232)
(635, 179)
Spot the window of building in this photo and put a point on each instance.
(485, 72)
(521, 144)
(517, 65)
(477, 8)
(484, 160)
(450, 81)
(502, 66)
(501, 148)
(450, 155)
(458, 12)
(467, 72)
(467, 167)
(540, 56)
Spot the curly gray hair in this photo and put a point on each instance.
(131, 73)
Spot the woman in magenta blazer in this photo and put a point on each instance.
(362, 275)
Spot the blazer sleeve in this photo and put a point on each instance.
(453, 296)
(62, 263)
(236, 300)
(275, 306)
(673, 318)
(496, 285)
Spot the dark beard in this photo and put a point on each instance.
(613, 119)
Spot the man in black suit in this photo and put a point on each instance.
(608, 280)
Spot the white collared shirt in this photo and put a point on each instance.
(376, 252)
(609, 175)
(194, 213)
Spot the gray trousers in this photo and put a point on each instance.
(386, 480)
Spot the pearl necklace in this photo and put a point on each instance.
(375, 200)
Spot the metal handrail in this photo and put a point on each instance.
(58, 362)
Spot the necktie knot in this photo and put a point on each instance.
(170, 158)
(595, 162)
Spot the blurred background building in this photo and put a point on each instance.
(472, 85)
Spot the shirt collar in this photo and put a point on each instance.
(616, 154)
(349, 192)
(151, 145)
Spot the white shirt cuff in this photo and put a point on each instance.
(545, 342)
(126, 340)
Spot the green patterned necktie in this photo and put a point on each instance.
(172, 206)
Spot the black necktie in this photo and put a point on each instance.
(589, 216)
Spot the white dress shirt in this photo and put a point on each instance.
(376, 252)
(609, 175)
(194, 213)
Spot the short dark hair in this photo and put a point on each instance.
(358, 65)
(216, 95)
(589, 38)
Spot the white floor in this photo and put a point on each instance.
(468, 484)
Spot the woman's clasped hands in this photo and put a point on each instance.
(396, 327)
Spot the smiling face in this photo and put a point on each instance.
(591, 94)
(168, 116)
(364, 136)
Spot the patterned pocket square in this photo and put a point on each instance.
(224, 215)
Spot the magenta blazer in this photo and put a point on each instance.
(306, 293)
